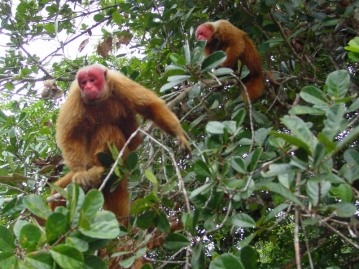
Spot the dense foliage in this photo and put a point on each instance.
(272, 184)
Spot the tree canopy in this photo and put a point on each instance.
(271, 184)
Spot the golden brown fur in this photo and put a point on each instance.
(222, 35)
(85, 126)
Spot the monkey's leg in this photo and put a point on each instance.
(116, 200)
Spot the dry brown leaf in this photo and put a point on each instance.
(83, 44)
(105, 47)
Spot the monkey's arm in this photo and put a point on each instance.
(150, 106)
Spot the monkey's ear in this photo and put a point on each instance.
(105, 73)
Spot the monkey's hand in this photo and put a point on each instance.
(183, 143)
(90, 178)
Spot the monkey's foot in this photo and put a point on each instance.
(89, 179)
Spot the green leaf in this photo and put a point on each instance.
(37, 205)
(169, 85)
(92, 203)
(226, 261)
(50, 28)
(313, 95)
(140, 205)
(249, 257)
(275, 211)
(178, 78)
(177, 59)
(151, 177)
(78, 243)
(201, 190)
(215, 127)
(350, 171)
(319, 154)
(67, 257)
(40, 259)
(291, 140)
(196, 90)
(353, 45)
(6, 240)
(9, 86)
(243, 220)
(145, 220)
(344, 210)
(94, 262)
(337, 84)
(127, 263)
(223, 71)
(8, 260)
(213, 61)
(317, 190)
(353, 134)
(29, 235)
(351, 156)
(301, 131)
(198, 257)
(117, 18)
(176, 241)
(261, 135)
(102, 225)
(98, 17)
(55, 225)
(281, 17)
(201, 168)
(131, 160)
(300, 110)
(238, 164)
(334, 122)
(280, 169)
(278, 188)
(162, 222)
(76, 200)
(343, 192)
(253, 159)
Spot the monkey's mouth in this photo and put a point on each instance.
(92, 95)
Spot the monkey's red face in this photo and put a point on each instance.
(203, 33)
(92, 82)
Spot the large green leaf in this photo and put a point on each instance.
(334, 123)
(213, 61)
(300, 130)
(37, 205)
(278, 188)
(337, 84)
(92, 203)
(67, 257)
(29, 235)
(102, 225)
(176, 241)
(313, 95)
(40, 259)
(226, 261)
(55, 225)
(243, 220)
(6, 240)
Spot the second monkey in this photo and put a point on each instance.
(222, 35)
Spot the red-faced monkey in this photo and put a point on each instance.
(222, 35)
(101, 108)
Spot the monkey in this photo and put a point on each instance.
(222, 35)
(101, 108)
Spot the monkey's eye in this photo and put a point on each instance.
(92, 80)
(83, 82)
